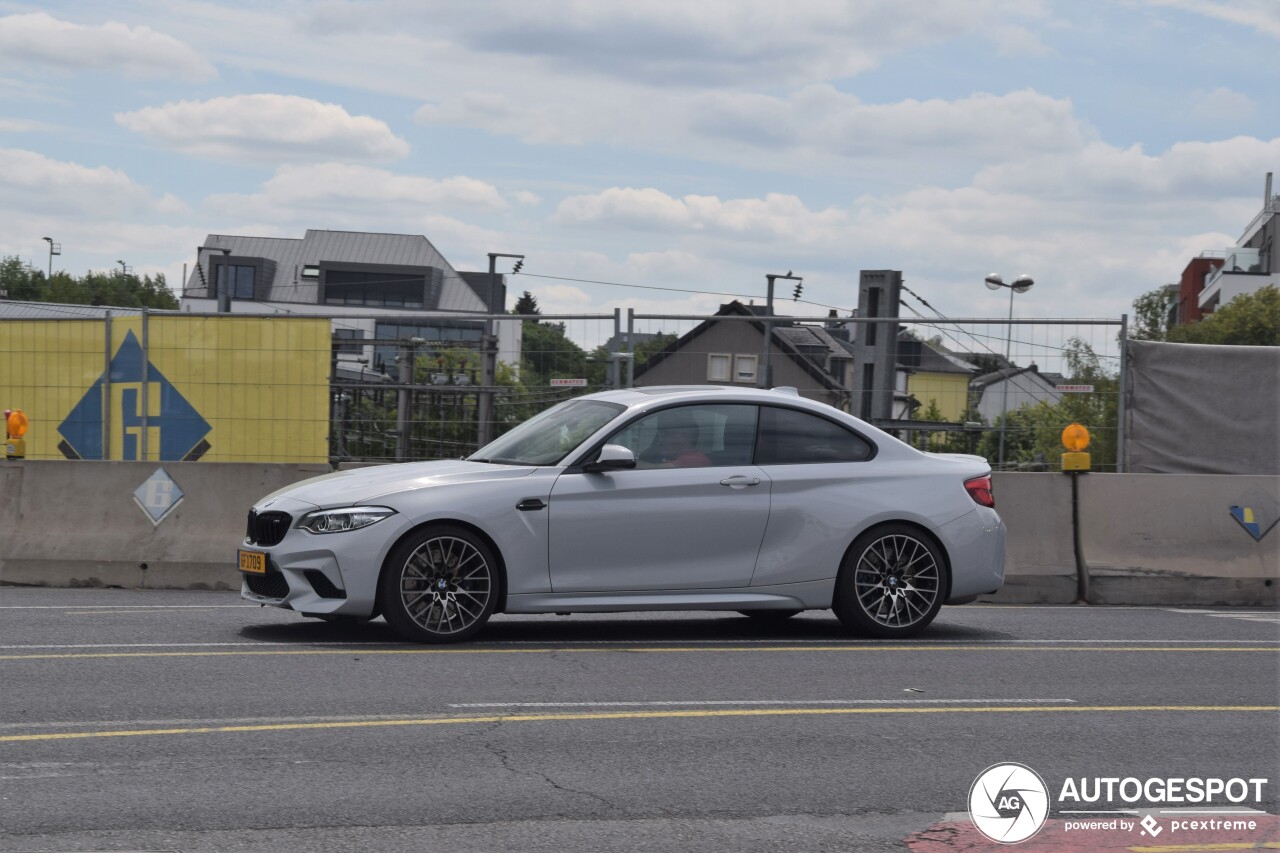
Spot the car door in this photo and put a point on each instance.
(684, 518)
(824, 485)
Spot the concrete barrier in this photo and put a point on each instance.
(77, 523)
(1147, 538)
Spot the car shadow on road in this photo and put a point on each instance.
(618, 629)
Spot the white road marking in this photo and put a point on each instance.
(125, 606)
(1270, 616)
(772, 641)
(738, 702)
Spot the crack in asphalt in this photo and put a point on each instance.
(508, 764)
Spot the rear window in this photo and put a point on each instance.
(791, 437)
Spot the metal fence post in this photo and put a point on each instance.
(1121, 402)
(631, 347)
(146, 383)
(402, 404)
(488, 379)
(106, 387)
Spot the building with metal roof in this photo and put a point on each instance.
(377, 287)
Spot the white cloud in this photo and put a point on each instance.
(776, 215)
(266, 127)
(32, 182)
(824, 119)
(1018, 41)
(18, 125)
(714, 42)
(501, 115)
(1101, 173)
(1221, 104)
(1261, 15)
(359, 196)
(39, 39)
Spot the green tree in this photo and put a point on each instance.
(93, 288)
(647, 349)
(1151, 315)
(548, 353)
(20, 282)
(527, 304)
(1251, 319)
(1033, 434)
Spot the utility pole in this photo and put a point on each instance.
(765, 377)
(489, 356)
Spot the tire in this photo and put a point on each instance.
(439, 585)
(769, 616)
(891, 584)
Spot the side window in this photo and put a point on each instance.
(789, 437)
(691, 437)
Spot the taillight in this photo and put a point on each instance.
(979, 488)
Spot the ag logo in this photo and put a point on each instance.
(1008, 803)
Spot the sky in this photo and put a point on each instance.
(1096, 145)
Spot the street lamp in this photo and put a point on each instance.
(1020, 285)
(765, 379)
(54, 249)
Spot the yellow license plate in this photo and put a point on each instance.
(253, 561)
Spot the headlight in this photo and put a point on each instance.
(347, 518)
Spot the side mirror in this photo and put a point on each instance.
(613, 457)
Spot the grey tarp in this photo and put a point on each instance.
(1200, 409)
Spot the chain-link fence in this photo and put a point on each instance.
(348, 389)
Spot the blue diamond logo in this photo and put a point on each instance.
(158, 495)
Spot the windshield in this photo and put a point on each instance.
(548, 437)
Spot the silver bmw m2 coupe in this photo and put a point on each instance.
(665, 498)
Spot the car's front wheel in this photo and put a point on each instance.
(439, 585)
(891, 583)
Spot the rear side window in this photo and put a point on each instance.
(790, 437)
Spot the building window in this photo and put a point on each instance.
(431, 337)
(744, 368)
(718, 365)
(236, 280)
(348, 340)
(310, 271)
(389, 290)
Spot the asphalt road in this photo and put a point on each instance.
(158, 720)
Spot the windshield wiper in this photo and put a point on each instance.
(496, 460)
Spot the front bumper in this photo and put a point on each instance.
(324, 574)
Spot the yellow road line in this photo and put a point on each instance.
(636, 715)
(636, 650)
(1204, 848)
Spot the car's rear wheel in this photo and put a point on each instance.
(892, 582)
(439, 585)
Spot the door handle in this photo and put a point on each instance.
(738, 481)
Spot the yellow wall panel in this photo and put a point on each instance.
(219, 389)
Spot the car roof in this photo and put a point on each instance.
(650, 394)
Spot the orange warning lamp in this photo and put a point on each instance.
(16, 427)
(1075, 438)
(16, 423)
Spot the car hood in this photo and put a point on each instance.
(349, 488)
